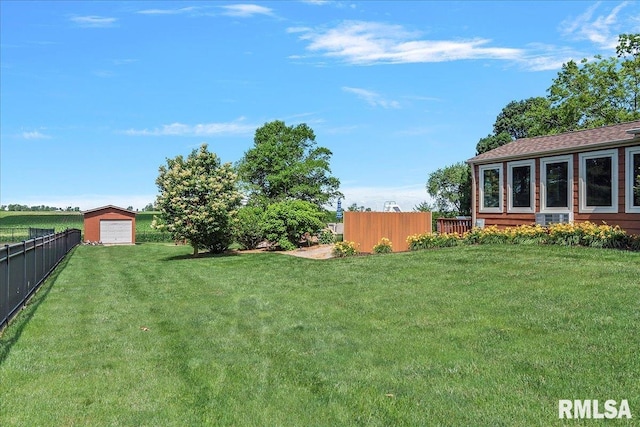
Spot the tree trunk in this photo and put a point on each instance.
(195, 250)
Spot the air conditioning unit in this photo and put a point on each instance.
(545, 219)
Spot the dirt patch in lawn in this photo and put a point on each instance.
(312, 252)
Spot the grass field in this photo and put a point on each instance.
(14, 225)
(476, 336)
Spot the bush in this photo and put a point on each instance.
(326, 237)
(582, 234)
(345, 249)
(383, 247)
(248, 230)
(284, 223)
(433, 240)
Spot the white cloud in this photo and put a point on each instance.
(544, 57)
(167, 11)
(34, 135)
(246, 10)
(601, 30)
(94, 21)
(236, 127)
(366, 43)
(104, 74)
(372, 98)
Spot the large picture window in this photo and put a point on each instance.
(556, 184)
(632, 195)
(599, 181)
(490, 188)
(521, 188)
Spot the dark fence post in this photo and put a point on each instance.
(4, 292)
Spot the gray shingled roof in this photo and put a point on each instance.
(570, 141)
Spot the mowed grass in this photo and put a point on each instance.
(475, 336)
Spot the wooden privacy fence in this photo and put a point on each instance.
(454, 225)
(24, 266)
(367, 228)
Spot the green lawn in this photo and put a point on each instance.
(474, 336)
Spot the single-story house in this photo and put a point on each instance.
(586, 175)
(110, 225)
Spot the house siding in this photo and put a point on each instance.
(630, 222)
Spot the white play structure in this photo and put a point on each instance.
(391, 206)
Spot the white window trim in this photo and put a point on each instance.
(481, 170)
(582, 190)
(629, 179)
(532, 182)
(543, 184)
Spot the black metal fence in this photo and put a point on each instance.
(18, 234)
(24, 266)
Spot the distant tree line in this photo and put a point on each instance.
(40, 208)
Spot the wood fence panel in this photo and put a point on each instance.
(367, 228)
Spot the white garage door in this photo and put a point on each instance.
(115, 230)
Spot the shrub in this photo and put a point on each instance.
(284, 223)
(383, 247)
(433, 240)
(345, 249)
(326, 237)
(583, 234)
(248, 230)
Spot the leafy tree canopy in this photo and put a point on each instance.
(286, 223)
(584, 95)
(198, 200)
(450, 188)
(286, 164)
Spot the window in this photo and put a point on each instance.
(633, 180)
(556, 184)
(599, 181)
(521, 188)
(490, 188)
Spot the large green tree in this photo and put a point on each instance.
(584, 94)
(450, 188)
(198, 200)
(286, 164)
(629, 50)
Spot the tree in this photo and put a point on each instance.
(524, 119)
(598, 92)
(286, 164)
(519, 119)
(450, 188)
(629, 49)
(584, 94)
(198, 200)
(424, 207)
(286, 222)
(490, 142)
(249, 227)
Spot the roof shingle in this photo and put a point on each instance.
(576, 140)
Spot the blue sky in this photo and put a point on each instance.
(96, 95)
